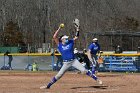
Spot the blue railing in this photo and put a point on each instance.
(114, 63)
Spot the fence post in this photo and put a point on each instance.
(52, 55)
(110, 60)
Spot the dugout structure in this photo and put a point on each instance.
(128, 40)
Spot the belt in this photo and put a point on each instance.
(68, 60)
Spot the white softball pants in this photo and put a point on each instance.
(66, 65)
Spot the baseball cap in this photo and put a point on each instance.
(95, 39)
(64, 37)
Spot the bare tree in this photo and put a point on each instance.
(41, 18)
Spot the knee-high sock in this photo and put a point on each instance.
(52, 82)
(93, 70)
(89, 73)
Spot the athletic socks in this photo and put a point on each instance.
(93, 70)
(89, 73)
(52, 82)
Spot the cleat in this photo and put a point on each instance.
(96, 72)
(44, 87)
(99, 82)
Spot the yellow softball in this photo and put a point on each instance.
(61, 25)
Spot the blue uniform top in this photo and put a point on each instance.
(94, 48)
(67, 50)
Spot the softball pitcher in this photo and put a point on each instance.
(66, 48)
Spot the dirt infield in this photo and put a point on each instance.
(29, 82)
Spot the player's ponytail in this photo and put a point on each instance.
(60, 38)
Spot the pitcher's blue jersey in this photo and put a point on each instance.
(94, 48)
(67, 50)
